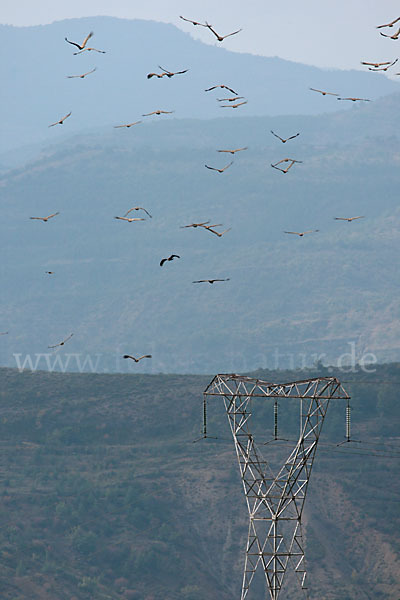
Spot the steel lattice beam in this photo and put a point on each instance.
(275, 502)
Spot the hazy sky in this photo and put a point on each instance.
(337, 34)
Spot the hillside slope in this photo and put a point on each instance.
(288, 300)
(104, 494)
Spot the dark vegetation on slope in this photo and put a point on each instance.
(103, 493)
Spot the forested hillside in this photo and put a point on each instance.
(105, 495)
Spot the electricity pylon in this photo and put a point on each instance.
(275, 502)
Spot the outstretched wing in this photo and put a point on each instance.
(74, 44)
(87, 38)
(277, 136)
(66, 339)
(229, 34)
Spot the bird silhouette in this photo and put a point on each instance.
(81, 76)
(194, 225)
(219, 170)
(210, 280)
(61, 121)
(376, 64)
(138, 208)
(286, 139)
(159, 112)
(44, 219)
(233, 151)
(218, 233)
(383, 68)
(389, 24)
(349, 219)
(323, 92)
(49, 272)
(230, 99)
(222, 86)
(85, 41)
(3, 332)
(302, 233)
(136, 360)
(356, 99)
(291, 162)
(172, 73)
(163, 260)
(62, 343)
(395, 36)
(233, 105)
(129, 219)
(221, 38)
(127, 125)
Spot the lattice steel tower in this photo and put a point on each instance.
(275, 502)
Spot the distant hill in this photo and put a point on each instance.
(289, 300)
(36, 92)
(104, 495)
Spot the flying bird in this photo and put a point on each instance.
(210, 280)
(389, 24)
(383, 68)
(323, 92)
(349, 219)
(233, 151)
(4, 333)
(230, 99)
(172, 73)
(219, 170)
(224, 87)
(356, 99)
(376, 64)
(163, 260)
(301, 233)
(90, 50)
(218, 233)
(194, 225)
(193, 22)
(282, 139)
(45, 219)
(61, 121)
(395, 36)
(138, 208)
(284, 160)
(127, 124)
(136, 360)
(81, 76)
(221, 38)
(85, 41)
(63, 342)
(233, 105)
(49, 272)
(129, 219)
(159, 112)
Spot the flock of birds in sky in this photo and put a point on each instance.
(234, 101)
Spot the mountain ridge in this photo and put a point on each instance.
(119, 87)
